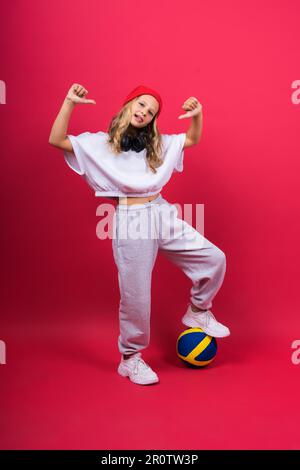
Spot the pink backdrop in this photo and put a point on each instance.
(59, 284)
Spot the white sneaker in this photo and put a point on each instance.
(137, 370)
(206, 321)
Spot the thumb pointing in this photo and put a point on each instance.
(89, 101)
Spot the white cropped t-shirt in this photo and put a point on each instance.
(126, 173)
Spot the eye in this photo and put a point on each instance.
(149, 111)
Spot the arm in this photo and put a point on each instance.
(194, 110)
(58, 135)
(59, 129)
(194, 132)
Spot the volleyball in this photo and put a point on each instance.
(195, 347)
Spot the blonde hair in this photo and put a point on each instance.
(118, 127)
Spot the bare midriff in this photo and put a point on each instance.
(134, 200)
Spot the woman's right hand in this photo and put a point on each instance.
(77, 94)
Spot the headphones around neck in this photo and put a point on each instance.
(136, 142)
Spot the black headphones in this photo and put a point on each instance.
(135, 141)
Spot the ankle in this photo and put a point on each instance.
(197, 309)
(127, 356)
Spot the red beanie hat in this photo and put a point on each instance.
(143, 90)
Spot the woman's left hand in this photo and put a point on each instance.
(192, 106)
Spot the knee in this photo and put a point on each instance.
(219, 258)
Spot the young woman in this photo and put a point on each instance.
(130, 164)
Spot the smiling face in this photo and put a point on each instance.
(143, 109)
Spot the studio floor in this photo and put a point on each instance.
(60, 390)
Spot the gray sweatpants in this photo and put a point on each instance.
(140, 230)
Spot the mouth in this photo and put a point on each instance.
(138, 118)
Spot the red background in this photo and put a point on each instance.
(59, 320)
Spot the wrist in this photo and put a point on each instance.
(69, 101)
(198, 116)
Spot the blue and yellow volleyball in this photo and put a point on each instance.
(195, 347)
